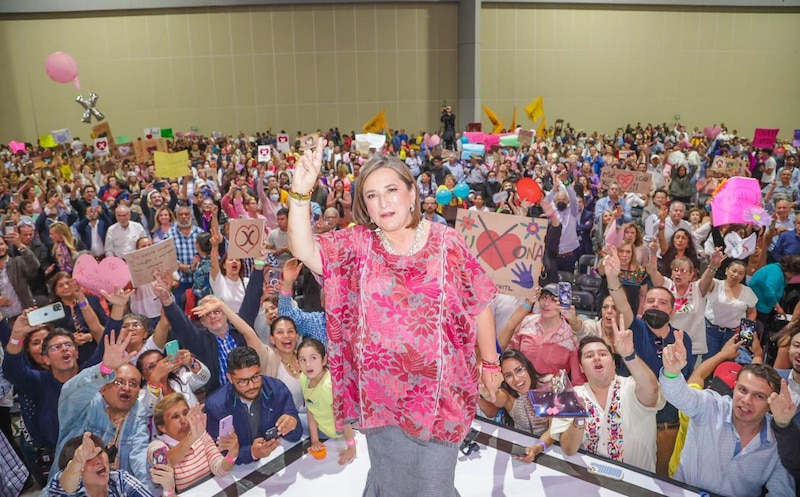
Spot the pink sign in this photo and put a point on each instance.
(765, 138)
(16, 146)
(109, 273)
(733, 199)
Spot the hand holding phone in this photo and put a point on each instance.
(46, 314)
(225, 426)
(159, 456)
(271, 434)
(747, 332)
(172, 348)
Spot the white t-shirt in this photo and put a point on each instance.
(727, 312)
(690, 316)
(638, 424)
(229, 291)
(770, 168)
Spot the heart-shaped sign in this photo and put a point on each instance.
(625, 181)
(246, 237)
(109, 273)
(149, 136)
(496, 251)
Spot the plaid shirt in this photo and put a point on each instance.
(120, 484)
(13, 470)
(184, 245)
(225, 346)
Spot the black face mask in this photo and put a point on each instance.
(655, 318)
(562, 206)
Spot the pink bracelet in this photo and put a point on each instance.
(286, 293)
(351, 443)
(14, 341)
(105, 370)
(230, 459)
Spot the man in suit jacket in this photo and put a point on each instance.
(257, 403)
(92, 229)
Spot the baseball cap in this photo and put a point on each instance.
(551, 288)
(725, 377)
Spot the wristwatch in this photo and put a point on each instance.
(630, 357)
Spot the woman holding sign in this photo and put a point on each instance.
(404, 298)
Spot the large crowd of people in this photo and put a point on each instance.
(365, 311)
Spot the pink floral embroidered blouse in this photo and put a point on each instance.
(402, 333)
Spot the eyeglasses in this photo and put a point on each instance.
(64, 345)
(129, 383)
(243, 382)
(132, 325)
(681, 270)
(518, 371)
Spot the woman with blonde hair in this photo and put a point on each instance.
(65, 246)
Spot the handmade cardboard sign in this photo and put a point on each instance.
(526, 137)
(309, 142)
(729, 167)
(629, 181)
(283, 143)
(510, 248)
(152, 133)
(143, 149)
(264, 153)
(765, 138)
(103, 129)
(111, 272)
(174, 165)
(144, 262)
(101, 147)
(245, 239)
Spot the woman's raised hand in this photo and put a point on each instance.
(307, 170)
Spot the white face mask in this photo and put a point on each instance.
(274, 197)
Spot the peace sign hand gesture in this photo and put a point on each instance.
(623, 338)
(674, 356)
(307, 170)
(782, 407)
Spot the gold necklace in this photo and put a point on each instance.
(415, 247)
(292, 371)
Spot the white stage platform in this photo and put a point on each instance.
(491, 472)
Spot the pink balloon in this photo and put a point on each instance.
(712, 132)
(62, 68)
(435, 140)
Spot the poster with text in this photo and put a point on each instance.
(510, 248)
(245, 239)
(143, 262)
(628, 181)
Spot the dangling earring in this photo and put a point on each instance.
(412, 208)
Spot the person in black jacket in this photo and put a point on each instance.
(448, 120)
(92, 229)
(787, 433)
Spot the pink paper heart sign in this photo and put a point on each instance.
(109, 273)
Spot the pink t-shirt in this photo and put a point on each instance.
(401, 332)
(548, 356)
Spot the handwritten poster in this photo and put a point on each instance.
(143, 262)
(765, 138)
(629, 181)
(525, 137)
(728, 166)
(510, 248)
(245, 239)
(109, 273)
(143, 149)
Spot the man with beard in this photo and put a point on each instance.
(103, 400)
(92, 230)
(612, 400)
(730, 446)
(650, 335)
(257, 403)
(566, 205)
(429, 210)
(184, 233)
(154, 200)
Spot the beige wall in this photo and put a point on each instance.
(295, 68)
(600, 68)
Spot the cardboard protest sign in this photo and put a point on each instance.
(245, 239)
(375, 140)
(733, 199)
(152, 133)
(264, 153)
(510, 248)
(174, 165)
(629, 181)
(143, 263)
(728, 166)
(765, 138)
(526, 137)
(103, 129)
(362, 148)
(309, 142)
(143, 149)
(283, 143)
(111, 272)
(624, 154)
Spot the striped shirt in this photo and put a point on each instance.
(225, 346)
(202, 459)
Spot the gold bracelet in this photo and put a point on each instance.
(300, 196)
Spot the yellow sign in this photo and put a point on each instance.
(172, 165)
(47, 141)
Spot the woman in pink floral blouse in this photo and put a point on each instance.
(406, 303)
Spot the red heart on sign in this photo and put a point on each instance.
(247, 237)
(625, 181)
(109, 273)
(497, 253)
(149, 136)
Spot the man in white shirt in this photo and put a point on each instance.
(672, 223)
(122, 235)
(614, 402)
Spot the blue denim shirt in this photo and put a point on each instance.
(82, 408)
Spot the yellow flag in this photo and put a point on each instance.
(535, 110)
(542, 128)
(47, 141)
(514, 120)
(377, 123)
(496, 122)
(172, 165)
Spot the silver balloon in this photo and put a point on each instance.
(90, 108)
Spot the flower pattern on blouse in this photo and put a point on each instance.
(402, 332)
(594, 424)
